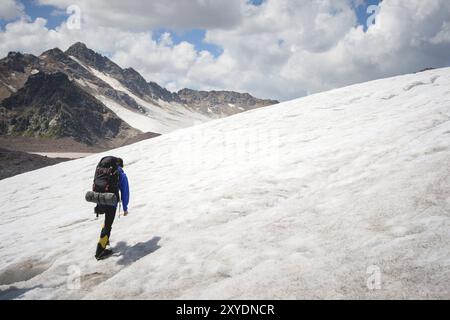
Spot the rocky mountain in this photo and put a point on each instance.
(14, 72)
(55, 60)
(50, 105)
(128, 77)
(85, 96)
(221, 103)
(211, 103)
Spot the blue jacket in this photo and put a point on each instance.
(124, 189)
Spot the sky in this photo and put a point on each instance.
(281, 49)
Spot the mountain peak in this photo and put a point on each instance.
(130, 70)
(78, 46)
(55, 52)
(16, 61)
(81, 51)
(14, 54)
(93, 59)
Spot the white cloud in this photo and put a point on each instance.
(10, 9)
(443, 36)
(281, 49)
(286, 48)
(321, 48)
(34, 37)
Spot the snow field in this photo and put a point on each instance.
(298, 200)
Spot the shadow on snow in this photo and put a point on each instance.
(130, 254)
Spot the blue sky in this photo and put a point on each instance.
(361, 11)
(195, 36)
(33, 10)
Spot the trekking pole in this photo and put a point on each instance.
(120, 206)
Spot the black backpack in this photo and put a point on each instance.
(106, 178)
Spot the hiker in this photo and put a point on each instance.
(110, 179)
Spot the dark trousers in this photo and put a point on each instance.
(110, 214)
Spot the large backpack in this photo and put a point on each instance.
(106, 178)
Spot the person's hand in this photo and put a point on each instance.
(125, 213)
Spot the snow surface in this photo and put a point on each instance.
(305, 199)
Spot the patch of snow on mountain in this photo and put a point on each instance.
(169, 116)
(162, 118)
(137, 120)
